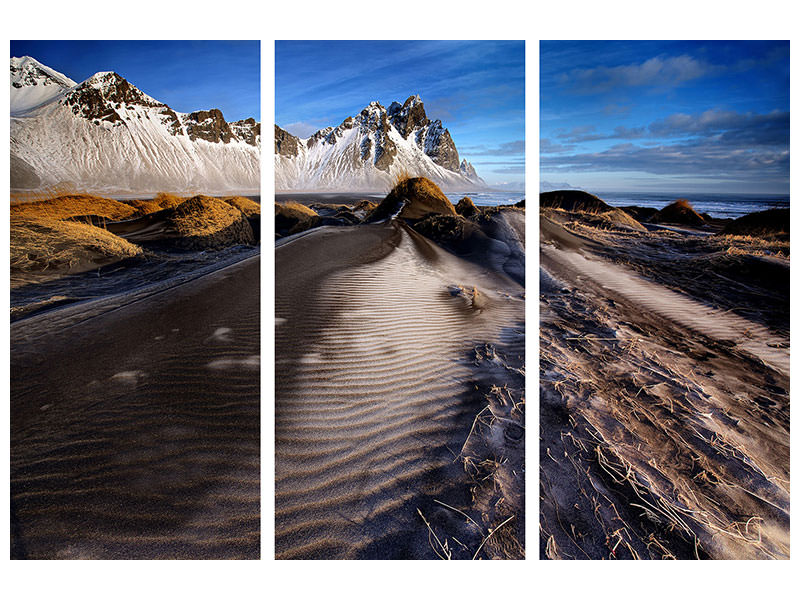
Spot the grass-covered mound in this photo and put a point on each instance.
(73, 205)
(679, 212)
(578, 201)
(414, 198)
(249, 208)
(773, 223)
(161, 201)
(293, 217)
(573, 201)
(203, 222)
(466, 207)
(40, 244)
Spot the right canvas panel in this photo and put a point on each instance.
(664, 300)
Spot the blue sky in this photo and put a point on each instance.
(477, 90)
(710, 117)
(185, 75)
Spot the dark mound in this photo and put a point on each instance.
(366, 206)
(451, 231)
(203, 223)
(414, 198)
(293, 217)
(573, 201)
(199, 223)
(466, 207)
(603, 215)
(679, 212)
(640, 213)
(766, 223)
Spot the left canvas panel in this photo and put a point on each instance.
(135, 341)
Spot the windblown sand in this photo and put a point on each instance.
(664, 414)
(381, 370)
(135, 423)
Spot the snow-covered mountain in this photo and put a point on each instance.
(368, 151)
(106, 135)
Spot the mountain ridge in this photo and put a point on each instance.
(105, 134)
(370, 150)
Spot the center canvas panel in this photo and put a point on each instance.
(399, 300)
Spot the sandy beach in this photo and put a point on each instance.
(397, 388)
(664, 392)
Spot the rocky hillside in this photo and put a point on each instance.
(106, 135)
(370, 150)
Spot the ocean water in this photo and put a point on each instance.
(488, 198)
(721, 206)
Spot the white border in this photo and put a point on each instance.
(411, 19)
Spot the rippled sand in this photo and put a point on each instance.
(376, 390)
(135, 423)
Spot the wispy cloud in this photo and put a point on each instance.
(304, 129)
(515, 148)
(699, 158)
(723, 126)
(728, 127)
(663, 71)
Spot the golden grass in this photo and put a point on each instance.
(248, 207)
(400, 177)
(204, 222)
(73, 205)
(161, 201)
(294, 209)
(42, 243)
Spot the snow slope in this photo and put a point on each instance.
(105, 135)
(369, 151)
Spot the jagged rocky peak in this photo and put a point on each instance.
(467, 169)
(113, 87)
(328, 134)
(247, 130)
(27, 71)
(208, 125)
(285, 143)
(408, 116)
(99, 97)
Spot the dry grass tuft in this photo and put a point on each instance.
(73, 205)
(679, 212)
(293, 217)
(248, 207)
(161, 201)
(415, 198)
(42, 244)
(206, 222)
(400, 177)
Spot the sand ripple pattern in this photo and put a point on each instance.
(373, 398)
(716, 324)
(135, 432)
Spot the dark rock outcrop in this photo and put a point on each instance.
(285, 142)
(208, 125)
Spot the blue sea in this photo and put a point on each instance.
(487, 198)
(721, 206)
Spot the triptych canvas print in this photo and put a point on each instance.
(397, 425)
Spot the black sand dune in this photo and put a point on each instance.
(135, 423)
(378, 383)
(664, 403)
